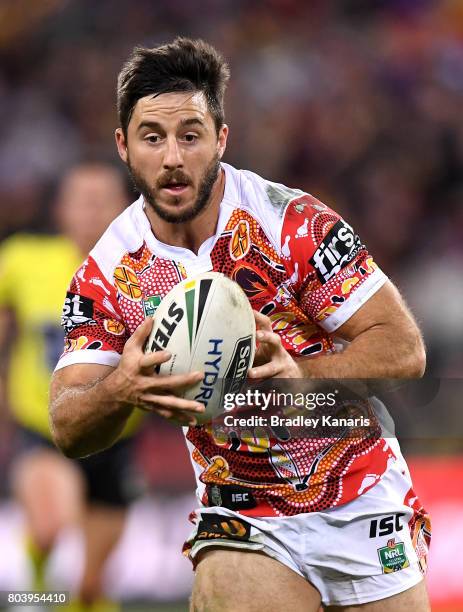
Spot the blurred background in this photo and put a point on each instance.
(358, 102)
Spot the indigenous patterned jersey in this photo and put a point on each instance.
(300, 264)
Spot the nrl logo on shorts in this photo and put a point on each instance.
(393, 557)
(150, 305)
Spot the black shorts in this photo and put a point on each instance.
(111, 477)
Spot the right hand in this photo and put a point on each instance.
(136, 383)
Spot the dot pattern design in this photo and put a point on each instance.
(281, 492)
(321, 225)
(156, 276)
(95, 330)
(264, 266)
(288, 476)
(320, 301)
(336, 474)
(317, 300)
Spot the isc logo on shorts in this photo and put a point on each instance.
(386, 525)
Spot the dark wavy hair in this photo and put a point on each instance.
(180, 66)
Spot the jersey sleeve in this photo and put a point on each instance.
(92, 320)
(334, 272)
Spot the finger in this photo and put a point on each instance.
(269, 370)
(140, 335)
(175, 382)
(171, 402)
(262, 321)
(149, 360)
(269, 337)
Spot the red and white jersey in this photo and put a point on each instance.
(300, 264)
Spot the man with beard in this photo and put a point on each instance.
(284, 542)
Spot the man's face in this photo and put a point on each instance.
(173, 151)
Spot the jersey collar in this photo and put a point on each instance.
(200, 262)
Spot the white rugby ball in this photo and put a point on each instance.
(207, 323)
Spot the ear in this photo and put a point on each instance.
(222, 140)
(121, 144)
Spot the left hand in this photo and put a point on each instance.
(272, 360)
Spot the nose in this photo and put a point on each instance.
(173, 157)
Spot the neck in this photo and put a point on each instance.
(191, 234)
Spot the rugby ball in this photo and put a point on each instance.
(207, 323)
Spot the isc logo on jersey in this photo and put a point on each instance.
(339, 247)
(208, 325)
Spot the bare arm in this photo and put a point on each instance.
(84, 414)
(385, 342)
(90, 404)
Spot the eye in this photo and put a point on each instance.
(190, 137)
(152, 138)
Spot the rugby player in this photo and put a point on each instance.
(56, 493)
(293, 523)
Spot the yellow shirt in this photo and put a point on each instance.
(35, 272)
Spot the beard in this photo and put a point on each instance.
(205, 186)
